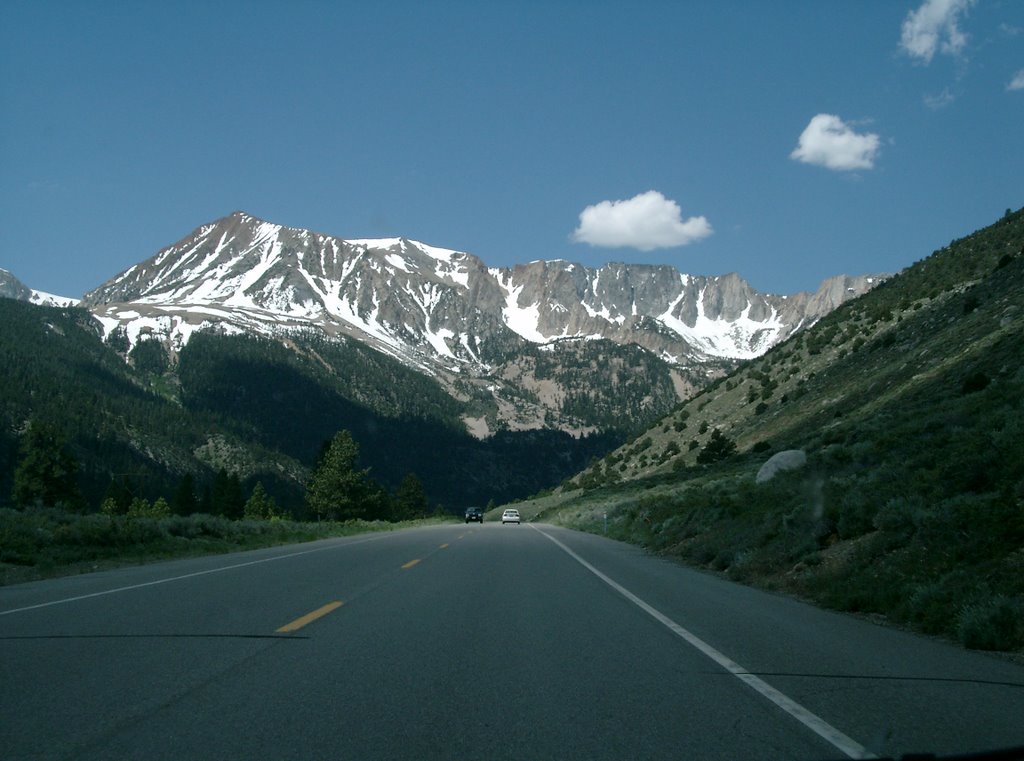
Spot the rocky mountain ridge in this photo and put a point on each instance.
(432, 306)
(478, 330)
(12, 288)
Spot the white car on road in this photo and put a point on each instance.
(510, 516)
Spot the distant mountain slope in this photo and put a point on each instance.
(12, 288)
(253, 406)
(447, 314)
(420, 301)
(247, 344)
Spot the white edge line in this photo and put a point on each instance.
(812, 721)
(185, 576)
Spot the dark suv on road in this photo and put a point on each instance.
(474, 514)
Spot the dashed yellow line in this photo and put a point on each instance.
(309, 618)
(444, 546)
(410, 564)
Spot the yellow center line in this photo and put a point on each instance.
(410, 564)
(309, 618)
(444, 546)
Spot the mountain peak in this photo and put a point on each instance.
(439, 310)
(12, 288)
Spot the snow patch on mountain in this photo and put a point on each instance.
(12, 288)
(436, 307)
(522, 320)
(605, 313)
(742, 338)
(52, 300)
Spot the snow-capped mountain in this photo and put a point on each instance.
(12, 288)
(437, 307)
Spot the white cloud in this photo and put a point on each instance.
(829, 142)
(941, 100)
(1017, 83)
(934, 27)
(646, 221)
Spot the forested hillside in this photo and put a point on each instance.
(254, 408)
(56, 371)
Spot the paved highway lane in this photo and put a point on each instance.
(478, 641)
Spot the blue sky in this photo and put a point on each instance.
(785, 141)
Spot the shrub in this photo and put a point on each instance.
(899, 515)
(932, 606)
(856, 514)
(160, 509)
(719, 447)
(722, 560)
(995, 624)
(138, 507)
(95, 530)
(141, 508)
(187, 527)
(20, 536)
(142, 530)
(671, 450)
(202, 524)
(975, 382)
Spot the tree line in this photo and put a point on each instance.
(46, 475)
(139, 417)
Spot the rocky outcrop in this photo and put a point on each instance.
(12, 288)
(790, 459)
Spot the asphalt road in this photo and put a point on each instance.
(471, 642)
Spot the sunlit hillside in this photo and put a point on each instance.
(906, 404)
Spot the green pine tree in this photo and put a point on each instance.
(337, 489)
(260, 505)
(227, 496)
(46, 471)
(160, 509)
(139, 508)
(410, 499)
(719, 447)
(184, 501)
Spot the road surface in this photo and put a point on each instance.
(476, 642)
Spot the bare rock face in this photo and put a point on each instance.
(12, 288)
(434, 304)
(443, 311)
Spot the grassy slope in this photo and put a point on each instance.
(908, 404)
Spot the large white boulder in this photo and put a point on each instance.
(790, 459)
